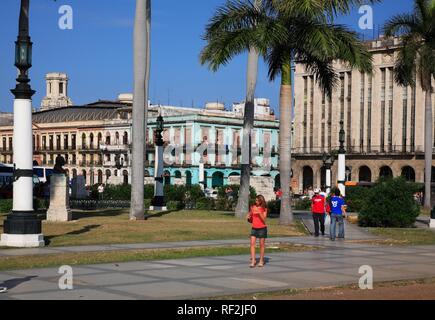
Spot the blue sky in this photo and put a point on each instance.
(97, 53)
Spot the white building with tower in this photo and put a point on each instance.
(56, 92)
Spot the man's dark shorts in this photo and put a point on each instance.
(259, 233)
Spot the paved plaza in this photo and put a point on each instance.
(335, 263)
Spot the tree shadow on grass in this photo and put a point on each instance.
(12, 283)
(72, 233)
(77, 215)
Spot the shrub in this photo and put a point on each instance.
(6, 205)
(274, 206)
(38, 204)
(147, 203)
(205, 204)
(175, 193)
(148, 191)
(117, 192)
(304, 204)
(355, 198)
(390, 204)
(194, 192)
(174, 205)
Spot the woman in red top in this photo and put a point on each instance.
(257, 216)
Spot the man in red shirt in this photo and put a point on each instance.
(318, 209)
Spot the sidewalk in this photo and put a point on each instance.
(337, 264)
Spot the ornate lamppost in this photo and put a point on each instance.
(328, 162)
(342, 161)
(158, 203)
(22, 227)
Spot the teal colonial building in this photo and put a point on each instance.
(190, 131)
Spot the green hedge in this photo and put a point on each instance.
(205, 204)
(6, 205)
(355, 198)
(147, 203)
(274, 206)
(174, 205)
(390, 204)
(304, 204)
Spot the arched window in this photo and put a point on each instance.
(108, 174)
(100, 137)
(386, 172)
(84, 174)
(188, 178)
(108, 138)
(308, 177)
(83, 140)
(125, 176)
(91, 140)
(117, 138)
(125, 138)
(167, 177)
(365, 174)
(408, 173)
(217, 180)
(100, 177)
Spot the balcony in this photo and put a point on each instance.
(6, 150)
(115, 148)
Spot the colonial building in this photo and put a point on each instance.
(95, 139)
(384, 122)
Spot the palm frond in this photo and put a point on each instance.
(400, 24)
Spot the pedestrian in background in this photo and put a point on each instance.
(318, 210)
(338, 213)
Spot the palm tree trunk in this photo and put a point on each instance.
(428, 151)
(242, 207)
(248, 124)
(285, 129)
(140, 103)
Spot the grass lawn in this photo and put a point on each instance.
(412, 236)
(55, 260)
(114, 227)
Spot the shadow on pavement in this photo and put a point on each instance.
(12, 283)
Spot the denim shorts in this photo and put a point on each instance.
(259, 233)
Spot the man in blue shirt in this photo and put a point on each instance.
(338, 213)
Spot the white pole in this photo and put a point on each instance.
(342, 173)
(201, 174)
(328, 181)
(23, 154)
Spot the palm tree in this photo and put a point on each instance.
(417, 60)
(140, 105)
(248, 124)
(284, 32)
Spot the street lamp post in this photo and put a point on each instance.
(342, 161)
(22, 227)
(158, 203)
